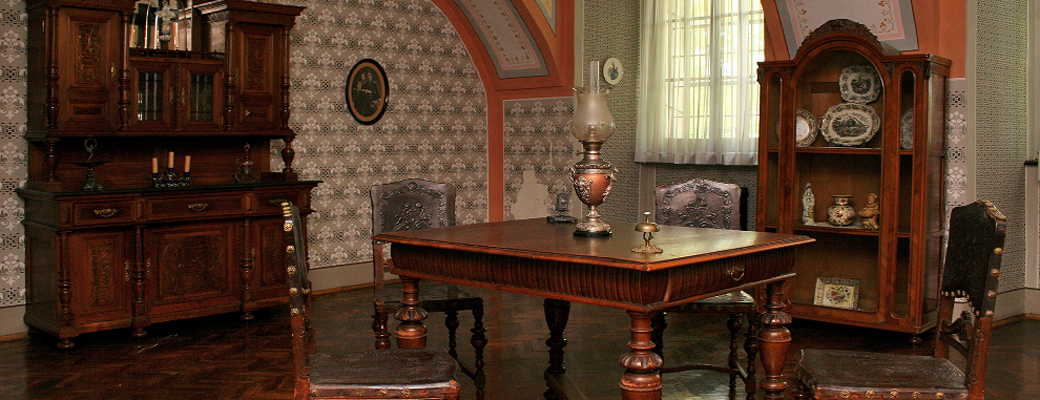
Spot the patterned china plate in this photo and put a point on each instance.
(906, 130)
(849, 124)
(859, 84)
(804, 128)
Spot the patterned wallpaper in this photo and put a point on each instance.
(13, 166)
(1000, 130)
(435, 126)
(539, 149)
(612, 30)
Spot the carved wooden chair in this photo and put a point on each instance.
(417, 204)
(383, 374)
(702, 203)
(971, 270)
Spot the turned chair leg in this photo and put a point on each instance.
(451, 321)
(479, 341)
(751, 348)
(734, 323)
(379, 326)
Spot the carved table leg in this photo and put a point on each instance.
(411, 332)
(642, 377)
(774, 339)
(659, 323)
(556, 314)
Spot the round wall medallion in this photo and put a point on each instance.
(613, 71)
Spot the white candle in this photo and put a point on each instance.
(169, 161)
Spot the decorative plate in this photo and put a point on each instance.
(906, 130)
(849, 124)
(612, 71)
(859, 84)
(804, 128)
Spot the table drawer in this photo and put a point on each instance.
(199, 206)
(102, 213)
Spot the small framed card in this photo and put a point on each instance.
(837, 292)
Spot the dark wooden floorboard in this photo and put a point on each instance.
(220, 357)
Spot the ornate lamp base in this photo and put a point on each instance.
(591, 226)
(592, 178)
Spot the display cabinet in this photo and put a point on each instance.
(848, 121)
(120, 233)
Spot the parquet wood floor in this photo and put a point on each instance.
(221, 357)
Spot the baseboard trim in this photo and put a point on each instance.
(11, 323)
(1024, 301)
(1016, 318)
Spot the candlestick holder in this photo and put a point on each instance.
(90, 184)
(170, 179)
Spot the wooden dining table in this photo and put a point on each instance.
(545, 259)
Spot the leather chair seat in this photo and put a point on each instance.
(863, 375)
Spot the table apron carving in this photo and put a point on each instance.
(627, 289)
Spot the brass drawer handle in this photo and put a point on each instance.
(106, 212)
(737, 273)
(198, 206)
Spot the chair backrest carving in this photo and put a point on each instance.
(412, 204)
(700, 203)
(299, 296)
(971, 270)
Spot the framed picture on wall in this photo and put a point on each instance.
(367, 91)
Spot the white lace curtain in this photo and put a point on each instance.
(698, 91)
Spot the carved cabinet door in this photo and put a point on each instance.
(88, 69)
(193, 266)
(100, 268)
(269, 278)
(259, 65)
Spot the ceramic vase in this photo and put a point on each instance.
(841, 213)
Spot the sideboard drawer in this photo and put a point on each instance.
(270, 202)
(200, 206)
(102, 213)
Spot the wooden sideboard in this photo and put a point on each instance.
(130, 258)
(129, 252)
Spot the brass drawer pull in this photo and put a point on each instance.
(198, 206)
(737, 273)
(106, 212)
